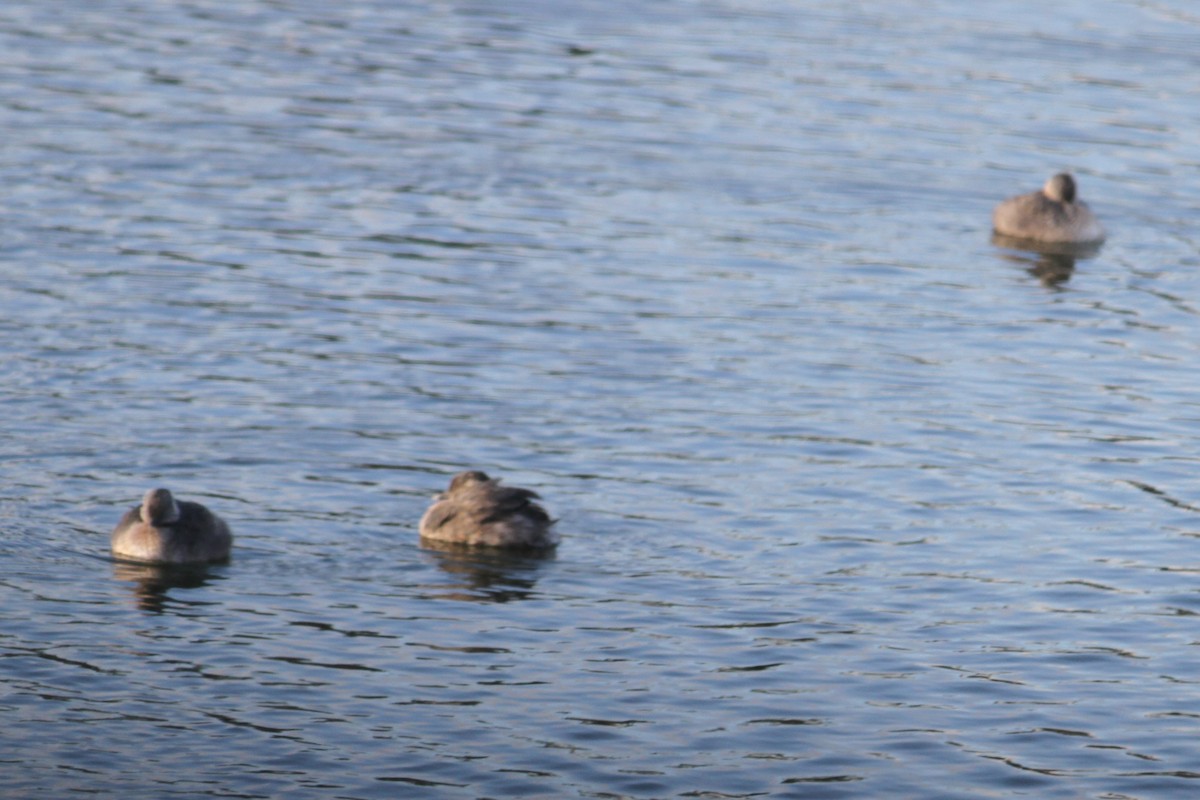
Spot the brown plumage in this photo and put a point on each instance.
(169, 531)
(1053, 214)
(477, 510)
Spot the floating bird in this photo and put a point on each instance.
(1051, 214)
(477, 510)
(169, 531)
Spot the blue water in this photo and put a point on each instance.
(855, 502)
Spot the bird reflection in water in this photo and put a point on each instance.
(1052, 263)
(486, 575)
(152, 583)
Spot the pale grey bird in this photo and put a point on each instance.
(169, 531)
(1052, 214)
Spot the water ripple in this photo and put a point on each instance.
(854, 499)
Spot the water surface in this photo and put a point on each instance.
(854, 501)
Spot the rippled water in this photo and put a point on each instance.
(855, 502)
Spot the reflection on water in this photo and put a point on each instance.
(482, 574)
(152, 584)
(1050, 262)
